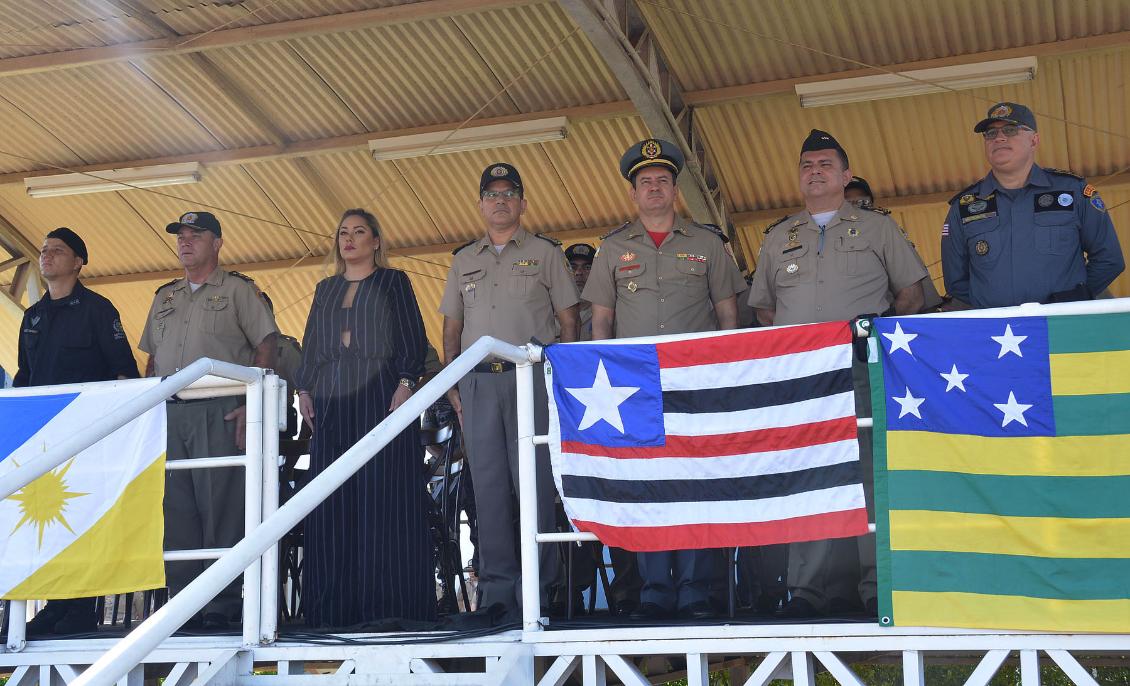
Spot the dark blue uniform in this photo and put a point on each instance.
(1050, 241)
(74, 339)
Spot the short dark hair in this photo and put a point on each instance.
(839, 153)
(636, 174)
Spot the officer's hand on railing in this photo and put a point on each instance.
(456, 404)
(306, 407)
(399, 397)
(239, 414)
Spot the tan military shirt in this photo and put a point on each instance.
(513, 295)
(662, 290)
(225, 319)
(864, 260)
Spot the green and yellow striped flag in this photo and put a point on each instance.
(1002, 472)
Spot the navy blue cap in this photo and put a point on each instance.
(1009, 113)
(201, 221)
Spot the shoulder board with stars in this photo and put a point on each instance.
(245, 277)
(165, 285)
(714, 229)
(964, 191)
(1063, 172)
(774, 224)
(618, 229)
(544, 237)
(876, 209)
(456, 251)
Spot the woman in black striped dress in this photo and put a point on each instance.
(368, 555)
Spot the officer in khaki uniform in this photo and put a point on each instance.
(663, 274)
(834, 261)
(580, 256)
(217, 314)
(509, 284)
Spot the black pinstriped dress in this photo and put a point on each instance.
(368, 553)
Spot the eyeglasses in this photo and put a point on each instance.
(505, 195)
(1009, 130)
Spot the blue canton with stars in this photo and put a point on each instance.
(575, 366)
(997, 388)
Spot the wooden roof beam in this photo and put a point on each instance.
(225, 38)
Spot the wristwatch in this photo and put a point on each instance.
(409, 384)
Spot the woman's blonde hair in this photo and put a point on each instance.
(379, 258)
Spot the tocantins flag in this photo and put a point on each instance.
(93, 525)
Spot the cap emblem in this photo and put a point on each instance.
(188, 218)
(650, 149)
(499, 171)
(1001, 111)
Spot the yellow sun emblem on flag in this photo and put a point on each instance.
(43, 501)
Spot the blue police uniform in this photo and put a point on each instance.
(1004, 247)
(75, 339)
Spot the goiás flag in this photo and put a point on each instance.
(1002, 472)
(93, 525)
(708, 440)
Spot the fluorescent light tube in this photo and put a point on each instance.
(112, 180)
(470, 138)
(917, 82)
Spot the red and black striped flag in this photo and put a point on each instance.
(708, 440)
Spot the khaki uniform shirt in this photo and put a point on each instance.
(512, 296)
(225, 319)
(864, 259)
(662, 290)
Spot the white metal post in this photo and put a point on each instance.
(253, 509)
(269, 598)
(17, 625)
(527, 499)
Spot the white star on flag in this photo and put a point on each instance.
(1013, 411)
(900, 340)
(603, 400)
(954, 379)
(1009, 342)
(908, 404)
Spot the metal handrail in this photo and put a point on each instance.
(133, 649)
(80, 440)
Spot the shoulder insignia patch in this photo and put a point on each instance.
(782, 219)
(1089, 191)
(1063, 172)
(714, 229)
(164, 285)
(544, 237)
(967, 190)
(456, 251)
(245, 277)
(876, 209)
(618, 229)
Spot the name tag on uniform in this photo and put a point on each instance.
(628, 268)
(978, 208)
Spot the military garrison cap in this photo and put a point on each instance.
(822, 140)
(653, 152)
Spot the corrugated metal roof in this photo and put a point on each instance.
(111, 112)
(31, 145)
(717, 44)
(30, 28)
(389, 83)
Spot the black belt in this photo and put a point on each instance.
(494, 367)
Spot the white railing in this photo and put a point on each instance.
(202, 379)
(132, 649)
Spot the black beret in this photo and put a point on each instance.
(653, 152)
(73, 242)
(860, 183)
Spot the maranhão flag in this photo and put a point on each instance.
(708, 440)
(1002, 472)
(93, 525)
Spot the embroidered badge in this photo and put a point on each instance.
(628, 256)
(945, 230)
(853, 232)
(498, 171)
(1045, 200)
(1065, 199)
(1088, 191)
(966, 199)
(792, 268)
(188, 218)
(792, 236)
(978, 206)
(650, 149)
(1097, 202)
(982, 248)
(1001, 111)
(526, 263)
(632, 286)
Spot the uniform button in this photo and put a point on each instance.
(660, 278)
(661, 326)
(495, 285)
(662, 300)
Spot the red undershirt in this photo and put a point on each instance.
(658, 237)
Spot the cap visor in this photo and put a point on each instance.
(174, 227)
(984, 123)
